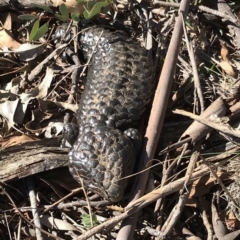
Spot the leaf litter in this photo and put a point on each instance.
(34, 108)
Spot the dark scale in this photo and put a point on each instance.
(119, 86)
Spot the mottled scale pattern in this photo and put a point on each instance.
(119, 86)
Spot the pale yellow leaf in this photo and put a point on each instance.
(8, 22)
(226, 67)
(224, 53)
(6, 41)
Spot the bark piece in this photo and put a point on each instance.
(25, 3)
(30, 158)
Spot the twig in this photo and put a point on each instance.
(192, 164)
(75, 73)
(176, 211)
(175, 145)
(218, 226)
(33, 202)
(19, 229)
(62, 199)
(83, 203)
(175, 214)
(185, 231)
(155, 233)
(232, 235)
(9, 232)
(218, 13)
(40, 66)
(205, 218)
(166, 176)
(88, 202)
(219, 127)
(170, 169)
(159, 206)
(184, 149)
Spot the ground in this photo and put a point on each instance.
(192, 190)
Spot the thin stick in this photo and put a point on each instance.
(219, 127)
(40, 66)
(33, 202)
(197, 83)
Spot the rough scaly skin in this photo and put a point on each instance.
(119, 86)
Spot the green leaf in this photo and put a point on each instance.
(44, 7)
(63, 10)
(39, 32)
(95, 10)
(27, 17)
(90, 4)
(61, 17)
(80, 1)
(75, 17)
(106, 9)
(34, 30)
(87, 221)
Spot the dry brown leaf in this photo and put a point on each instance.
(225, 64)
(202, 185)
(6, 41)
(224, 53)
(232, 221)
